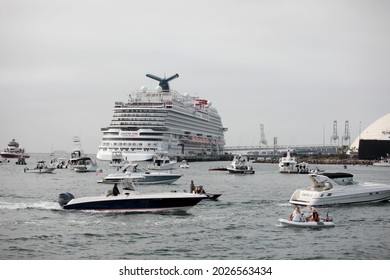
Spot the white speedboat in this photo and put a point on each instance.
(130, 200)
(40, 168)
(239, 166)
(161, 161)
(145, 177)
(339, 188)
(320, 224)
(85, 164)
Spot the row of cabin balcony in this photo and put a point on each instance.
(113, 124)
(139, 119)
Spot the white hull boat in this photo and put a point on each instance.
(239, 166)
(41, 168)
(383, 162)
(320, 224)
(339, 188)
(162, 162)
(85, 164)
(144, 177)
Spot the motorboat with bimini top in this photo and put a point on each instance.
(40, 168)
(145, 177)
(13, 151)
(339, 188)
(130, 200)
(239, 166)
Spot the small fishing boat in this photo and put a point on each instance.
(117, 159)
(321, 224)
(239, 166)
(85, 164)
(40, 168)
(161, 161)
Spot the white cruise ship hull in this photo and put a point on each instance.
(131, 157)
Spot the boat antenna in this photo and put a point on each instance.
(163, 81)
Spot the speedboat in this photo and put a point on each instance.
(239, 166)
(40, 168)
(129, 200)
(320, 224)
(161, 161)
(85, 164)
(13, 151)
(339, 188)
(146, 177)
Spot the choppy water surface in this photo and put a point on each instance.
(241, 225)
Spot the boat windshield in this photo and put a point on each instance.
(344, 181)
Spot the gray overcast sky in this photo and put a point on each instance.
(294, 66)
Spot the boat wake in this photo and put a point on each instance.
(40, 205)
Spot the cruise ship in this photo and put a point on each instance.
(162, 121)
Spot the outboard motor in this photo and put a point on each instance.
(64, 198)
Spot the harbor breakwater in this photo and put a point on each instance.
(321, 159)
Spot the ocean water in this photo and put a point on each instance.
(240, 225)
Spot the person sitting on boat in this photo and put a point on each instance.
(115, 190)
(314, 217)
(296, 216)
(200, 190)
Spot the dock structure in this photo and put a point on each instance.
(279, 150)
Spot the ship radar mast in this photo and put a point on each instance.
(163, 81)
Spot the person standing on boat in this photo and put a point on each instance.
(296, 216)
(192, 187)
(115, 190)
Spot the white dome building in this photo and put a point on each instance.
(378, 130)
